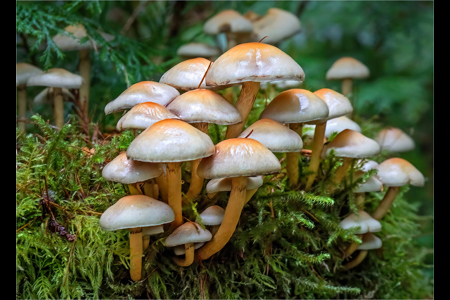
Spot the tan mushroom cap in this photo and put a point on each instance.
(144, 115)
(136, 211)
(189, 232)
(123, 170)
(46, 96)
(277, 25)
(66, 42)
(334, 125)
(170, 141)
(202, 105)
(181, 250)
(347, 67)
(56, 77)
(257, 62)
(296, 106)
(224, 184)
(275, 136)
(398, 172)
(239, 157)
(212, 215)
(338, 104)
(350, 143)
(370, 242)
(364, 221)
(25, 71)
(192, 50)
(394, 140)
(144, 91)
(227, 21)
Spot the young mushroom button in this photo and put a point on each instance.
(394, 140)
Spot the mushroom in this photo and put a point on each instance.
(58, 79)
(296, 107)
(187, 234)
(213, 216)
(394, 173)
(133, 213)
(149, 231)
(347, 69)
(181, 249)
(224, 185)
(394, 140)
(338, 105)
(171, 142)
(47, 95)
(249, 64)
(23, 72)
(335, 125)
(278, 25)
(144, 91)
(237, 158)
(201, 107)
(193, 50)
(370, 242)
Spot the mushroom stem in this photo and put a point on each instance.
(362, 254)
(214, 229)
(340, 173)
(22, 105)
(292, 159)
(360, 198)
(353, 246)
(58, 107)
(84, 68)
(134, 190)
(151, 189)
(386, 203)
(161, 181)
(135, 253)
(174, 191)
(145, 242)
(347, 86)
(230, 220)
(188, 258)
(249, 194)
(243, 104)
(316, 152)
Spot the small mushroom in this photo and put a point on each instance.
(193, 50)
(278, 25)
(213, 216)
(335, 125)
(370, 242)
(394, 140)
(224, 185)
(347, 69)
(23, 72)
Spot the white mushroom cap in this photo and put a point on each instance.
(296, 106)
(277, 25)
(370, 242)
(368, 165)
(66, 42)
(126, 171)
(202, 105)
(227, 21)
(275, 136)
(224, 184)
(398, 172)
(213, 215)
(192, 50)
(144, 115)
(334, 125)
(144, 91)
(350, 143)
(136, 211)
(181, 250)
(25, 71)
(364, 221)
(46, 96)
(187, 74)
(239, 157)
(347, 67)
(152, 230)
(189, 232)
(338, 104)
(56, 77)
(394, 140)
(372, 184)
(170, 141)
(257, 62)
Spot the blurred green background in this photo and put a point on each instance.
(393, 38)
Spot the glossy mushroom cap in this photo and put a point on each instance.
(170, 141)
(56, 77)
(70, 39)
(227, 21)
(370, 242)
(334, 125)
(277, 25)
(46, 96)
(152, 230)
(213, 215)
(239, 157)
(136, 211)
(224, 184)
(202, 105)
(187, 74)
(364, 221)
(192, 50)
(338, 104)
(144, 115)
(398, 172)
(25, 71)
(347, 67)
(296, 106)
(275, 136)
(126, 171)
(181, 250)
(257, 62)
(394, 140)
(350, 143)
(144, 91)
(189, 232)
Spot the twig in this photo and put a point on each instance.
(133, 16)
